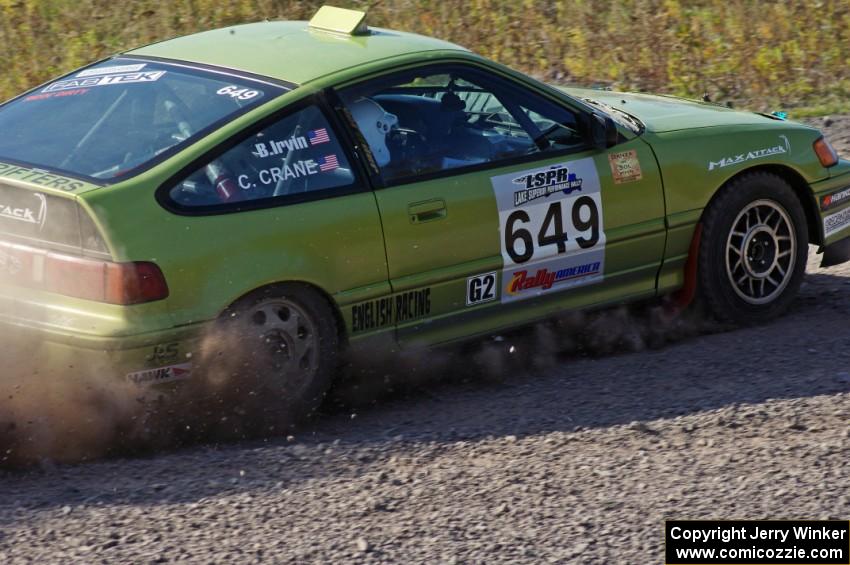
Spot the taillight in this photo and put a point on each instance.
(827, 155)
(82, 277)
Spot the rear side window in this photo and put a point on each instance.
(299, 157)
(112, 120)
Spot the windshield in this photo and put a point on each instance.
(113, 119)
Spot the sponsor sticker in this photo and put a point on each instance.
(111, 70)
(543, 183)
(834, 223)
(89, 82)
(835, 199)
(783, 147)
(481, 288)
(39, 177)
(390, 310)
(625, 167)
(161, 375)
(551, 230)
(36, 215)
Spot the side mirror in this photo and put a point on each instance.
(603, 131)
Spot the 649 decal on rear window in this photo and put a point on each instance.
(552, 231)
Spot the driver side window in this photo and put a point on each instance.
(441, 118)
(298, 155)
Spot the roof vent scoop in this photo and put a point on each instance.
(340, 20)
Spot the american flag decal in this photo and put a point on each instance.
(318, 136)
(328, 163)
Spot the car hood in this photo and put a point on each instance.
(668, 113)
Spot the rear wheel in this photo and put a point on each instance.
(275, 354)
(753, 250)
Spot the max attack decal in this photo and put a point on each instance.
(552, 243)
(162, 375)
(390, 310)
(537, 185)
(124, 78)
(35, 216)
(39, 177)
(625, 167)
(784, 147)
(835, 199)
(834, 223)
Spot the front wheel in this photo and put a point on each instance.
(753, 251)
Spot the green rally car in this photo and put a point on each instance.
(333, 186)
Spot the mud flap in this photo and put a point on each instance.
(836, 254)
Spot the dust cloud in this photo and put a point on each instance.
(78, 413)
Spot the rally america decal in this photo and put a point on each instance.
(551, 228)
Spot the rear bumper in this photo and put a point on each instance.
(29, 349)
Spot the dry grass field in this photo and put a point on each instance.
(758, 53)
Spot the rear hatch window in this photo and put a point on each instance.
(117, 118)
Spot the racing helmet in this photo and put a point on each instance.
(375, 123)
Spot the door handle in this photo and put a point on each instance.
(427, 211)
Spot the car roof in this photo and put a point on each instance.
(290, 51)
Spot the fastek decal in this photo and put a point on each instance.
(625, 167)
(39, 177)
(835, 199)
(784, 147)
(540, 184)
(481, 288)
(552, 232)
(161, 375)
(390, 310)
(125, 78)
(834, 223)
(26, 215)
(114, 69)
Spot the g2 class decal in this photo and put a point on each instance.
(481, 288)
(552, 235)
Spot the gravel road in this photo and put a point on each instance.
(579, 462)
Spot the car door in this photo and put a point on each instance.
(496, 210)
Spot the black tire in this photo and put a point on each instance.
(752, 278)
(271, 360)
